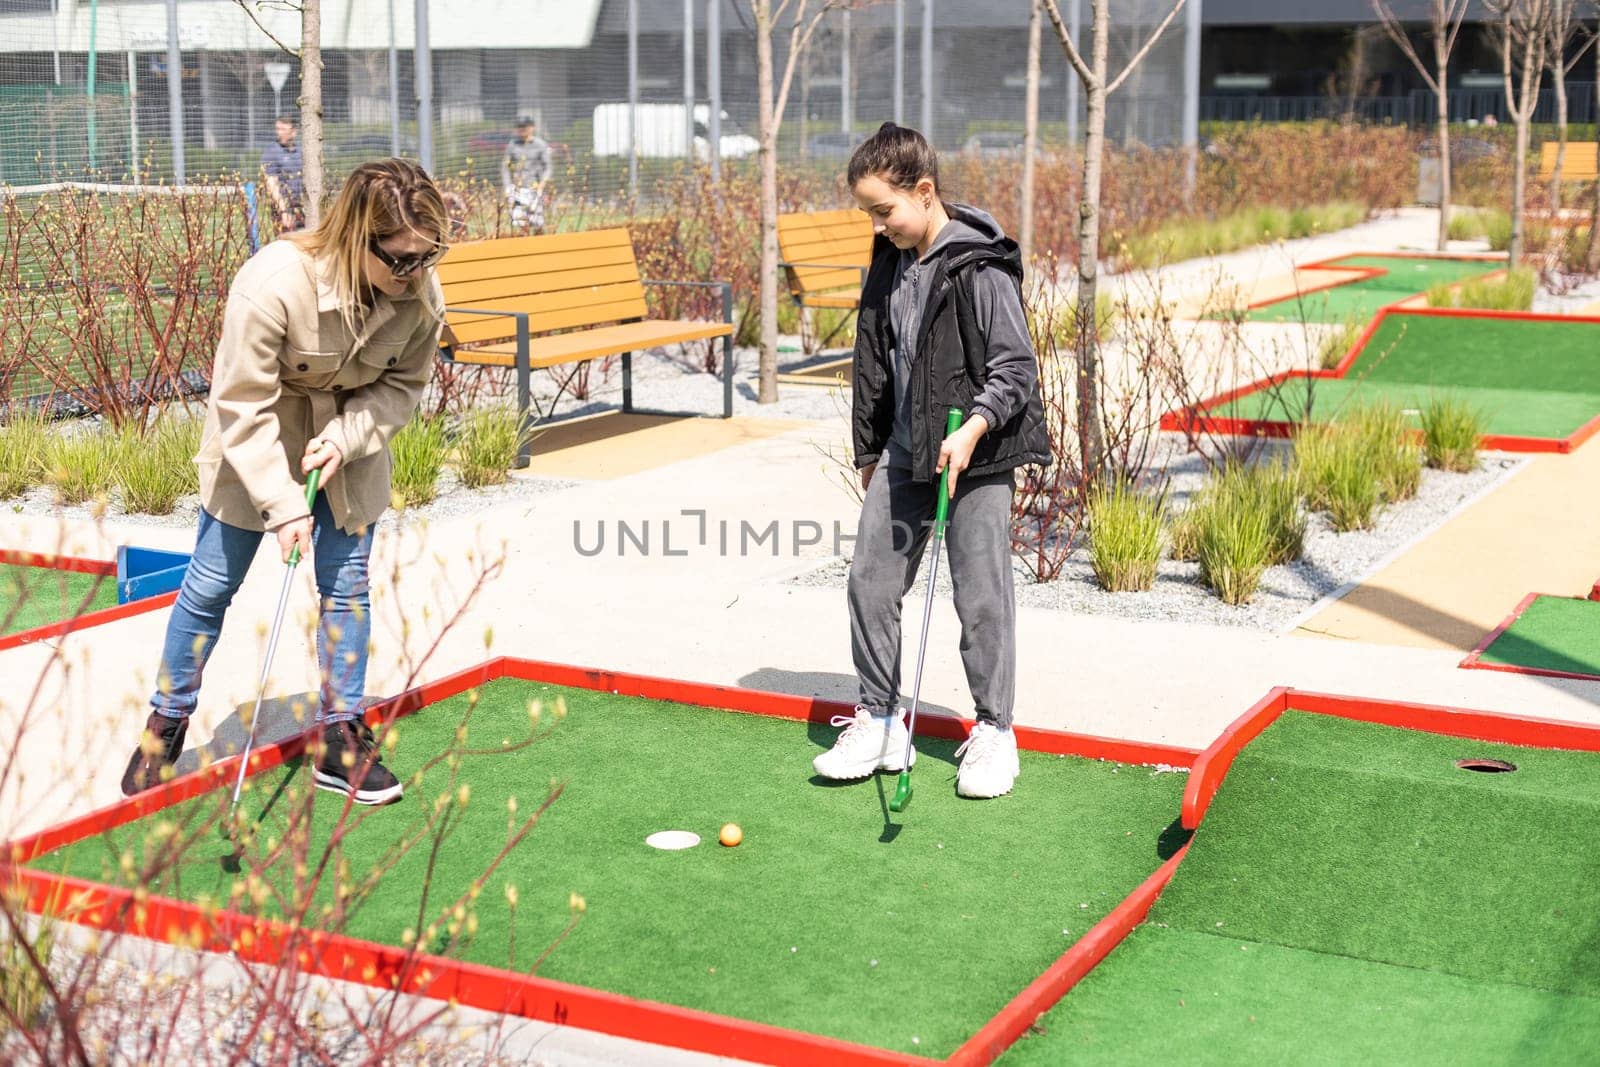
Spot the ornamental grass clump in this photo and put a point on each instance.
(1125, 536)
(154, 469)
(1386, 437)
(488, 443)
(1233, 545)
(1245, 519)
(22, 448)
(418, 453)
(1451, 429)
(82, 463)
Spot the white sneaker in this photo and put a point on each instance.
(868, 743)
(989, 764)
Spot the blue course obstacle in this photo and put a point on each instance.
(147, 572)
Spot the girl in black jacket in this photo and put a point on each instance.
(941, 326)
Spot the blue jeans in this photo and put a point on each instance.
(222, 556)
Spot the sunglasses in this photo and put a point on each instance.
(401, 266)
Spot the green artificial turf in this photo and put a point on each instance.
(822, 920)
(37, 596)
(1531, 379)
(1405, 277)
(1177, 996)
(1483, 353)
(1511, 412)
(1350, 884)
(1553, 633)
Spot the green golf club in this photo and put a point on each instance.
(231, 825)
(902, 788)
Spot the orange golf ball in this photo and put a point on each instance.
(731, 834)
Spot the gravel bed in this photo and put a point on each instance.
(1567, 303)
(1331, 559)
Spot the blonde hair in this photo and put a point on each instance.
(378, 200)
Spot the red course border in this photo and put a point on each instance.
(1196, 418)
(1474, 659)
(489, 988)
(104, 567)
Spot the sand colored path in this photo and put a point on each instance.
(614, 445)
(1537, 532)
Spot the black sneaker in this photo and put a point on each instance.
(159, 746)
(351, 764)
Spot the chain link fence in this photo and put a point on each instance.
(615, 104)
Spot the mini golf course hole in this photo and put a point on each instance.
(1487, 766)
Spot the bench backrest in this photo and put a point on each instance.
(1577, 164)
(564, 280)
(829, 237)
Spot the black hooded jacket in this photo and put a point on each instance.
(950, 360)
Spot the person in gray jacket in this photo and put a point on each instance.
(941, 326)
(524, 171)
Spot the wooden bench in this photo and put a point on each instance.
(543, 301)
(1578, 165)
(825, 256)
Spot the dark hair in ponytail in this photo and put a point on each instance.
(899, 155)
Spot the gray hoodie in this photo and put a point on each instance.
(1000, 318)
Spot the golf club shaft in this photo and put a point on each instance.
(266, 668)
(941, 511)
(272, 639)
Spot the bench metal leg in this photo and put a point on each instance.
(524, 395)
(627, 382)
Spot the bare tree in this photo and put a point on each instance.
(1522, 38)
(1563, 28)
(1444, 26)
(802, 25)
(1097, 85)
(309, 56)
(1030, 131)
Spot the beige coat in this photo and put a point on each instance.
(288, 369)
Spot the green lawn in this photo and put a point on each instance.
(1554, 633)
(1353, 896)
(38, 596)
(1406, 276)
(822, 920)
(1530, 378)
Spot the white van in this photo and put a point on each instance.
(660, 133)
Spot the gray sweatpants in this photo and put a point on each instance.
(895, 527)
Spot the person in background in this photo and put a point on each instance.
(524, 170)
(285, 174)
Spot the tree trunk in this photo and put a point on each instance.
(1592, 254)
(768, 133)
(1558, 72)
(1091, 436)
(1030, 135)
(1441, 59)
(311, 107)
(1519, 190)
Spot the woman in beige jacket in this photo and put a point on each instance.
(327, 342)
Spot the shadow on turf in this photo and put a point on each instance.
(278, 721)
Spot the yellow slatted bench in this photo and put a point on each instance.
(825, 257)
(1578, 165)
(505, 299)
